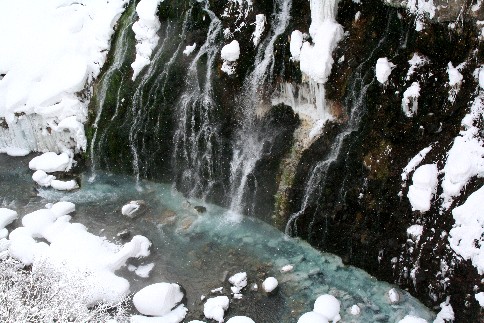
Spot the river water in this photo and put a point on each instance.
(201, 250)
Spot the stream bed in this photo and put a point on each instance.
(200, 250)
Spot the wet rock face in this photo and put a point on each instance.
(361, 211)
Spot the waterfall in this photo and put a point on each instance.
(120, 46)
(249, 145)
(362, 79)
(197, 141)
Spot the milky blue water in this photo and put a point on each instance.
(201, 250)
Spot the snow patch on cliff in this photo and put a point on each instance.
(424, 186)
(383, 69)
(410, 99)
(145, 30)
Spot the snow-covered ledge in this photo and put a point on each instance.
(53, 51)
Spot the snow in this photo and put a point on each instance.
(130, 209)
(175, 316)
(239, 281)
(394, 296)
(145, 30)
(296, 44)
(144, 271)
(42, 178)
(328, 306)
(355, 310)
(64, 185)
(16, 152)
(269, 284)
(446, 314)
(421, 9)
(77, 254)
(480, 298)
(316, 60)
(414, 162)
(466, 237)
(287, 268)
(260, 21)
(415, 231)
(189, 49)
(312, 317)
(51, 162)
(7, 216)
(455, 77)
(424, 186)
(52, 50)
(415, 62)
(383, 69)
(412, 319)
(215, 307)
(240, 319)
(410, 99)
(481, 77)
(158, 299)
(466, 157)
(230, 54)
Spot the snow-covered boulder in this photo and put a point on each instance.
(175, 316)
(230, 54)
(7, 216)
(64, 185)
(393, 296)
(383, 69)
(42, 178)
(133, 208)
(215, 308)
(269, 284)
(412, 319)
(328, 306)
(51, 162)
(424, 186)
(312, 317)
(239, 281)
(158, 299)
(240, 319)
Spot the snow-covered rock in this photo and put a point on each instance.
(133, 208)
(446, 314)
(415, 231)
(260, 21)
(175, 316)
(64, 185)
(215, 307)
(355, 310)
(287, 268)
(296, 44)
(158, 299)
(383, 69)
(230, 54)
(144, 271)
(7, 216)
(312, 317)
(189, 49)
(328, 306)
(424, 186)
(239, 281)
(480, 298)
(412, 319)
(269, 284)
(410, 99)
(51, 162)
(42, 178)
(393, 296)
(240, 319)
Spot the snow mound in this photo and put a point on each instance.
(328, 306)
(239, 281)
(42, 178)
(383, 69)
(269, 284)
(158, 299)
(312, 317)
(215, 307)
(64, 185)
(51, 162)
(7, 216)
(175, 316)
(240, 319)
(412, 319)
(424, 186)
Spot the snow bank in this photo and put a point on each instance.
(410, 99)
(269, 284)
(75, 253)
(328, 306)
(260, 21)
(51, 162)
(145, 30)
(52, 50)
(424, 186)
(215, 308)
(158, 299)
(383, 69)
(230, 54)
(466, 238)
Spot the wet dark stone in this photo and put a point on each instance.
(200, 209)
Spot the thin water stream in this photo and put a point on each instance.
(200, 250)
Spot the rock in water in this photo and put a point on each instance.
(200, 209)
(158, 299)
(134, 208)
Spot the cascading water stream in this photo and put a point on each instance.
(249, 145)
(363, 78)
(120, 48)
(197, 142)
